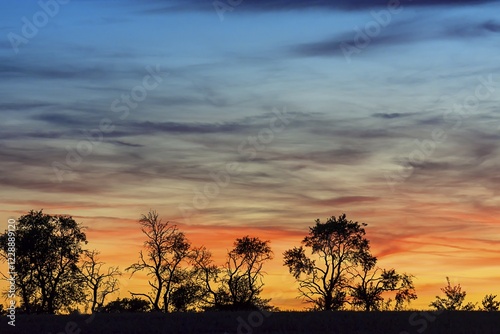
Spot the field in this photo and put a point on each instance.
(265, 323)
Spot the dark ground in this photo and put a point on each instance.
(256, 323)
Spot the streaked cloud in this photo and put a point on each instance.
(396, 34)
(281, 5)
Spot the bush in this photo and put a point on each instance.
(490, 304)
(127, 305)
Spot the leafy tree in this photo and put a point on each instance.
(100, 282)
(48, 250)
(370, 282)
(336, 248)
(127, 305)
(188, 293)
(453, 300)
(165, 249)
(238, 283)
(243, 270)
(490, 304)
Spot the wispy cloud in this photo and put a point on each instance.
(282, 5)
(400, 33)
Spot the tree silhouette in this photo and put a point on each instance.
(453, 300)
(337, 246)
(238, 283)
(490, 304)
(371, 282)
(165, 249)
(188, 292)
(206, 275)
(244, 271)
(47, 250)
(100, 282)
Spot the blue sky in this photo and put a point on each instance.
(428, 73)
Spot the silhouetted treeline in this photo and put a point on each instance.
(333, 266)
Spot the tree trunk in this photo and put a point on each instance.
(94, 299)
(328, 302)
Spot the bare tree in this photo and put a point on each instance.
(100, 282)
(165, 249)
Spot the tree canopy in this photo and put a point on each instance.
(340, 268)
(47, 249)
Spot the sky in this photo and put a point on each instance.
(258, 117)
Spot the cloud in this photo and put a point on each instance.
(48, 72)
(122, 143)
(64, 120)
(491, 26)
(390, 115)
(161, 6)
(86, 71)
(349, 200)
(190, 128)
(472, 30)
(398, 33)
(23, 105)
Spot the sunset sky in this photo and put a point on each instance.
(258, 118)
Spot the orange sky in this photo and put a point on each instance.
(432, 242)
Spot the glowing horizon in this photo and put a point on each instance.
(279, 284)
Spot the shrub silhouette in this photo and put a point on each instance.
(127, 305)
(453, 300)
(490, 304)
